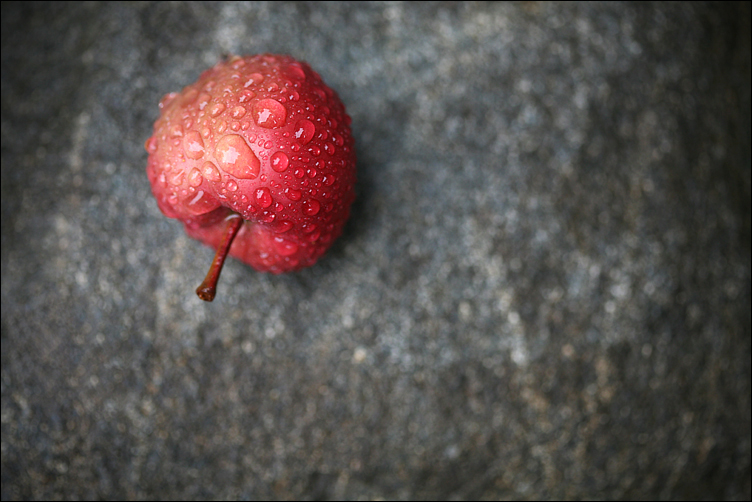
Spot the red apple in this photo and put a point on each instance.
(257, 160)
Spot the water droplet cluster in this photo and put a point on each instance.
(264, 137)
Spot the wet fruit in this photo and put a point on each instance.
(257, 160)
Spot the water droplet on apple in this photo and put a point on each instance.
(267, 217)
(314, 236)
(269, 113)
(329, 148)
(245, 95)
(264, 197)
(293, 194)
(195, 178)
(235, 157)
(210, 172)
(193, 145)
(285, 247)
(238, 112)
(151, 145)
(177, 179)
(166, 99)
(304, 130)
(311, 207)
(279, 161)
(295, 71)
(283, 226)
(328, 180)
(232, 186)
(216, 109)
(203, 100)
(202, 203)
(254, 79)
(176, 131)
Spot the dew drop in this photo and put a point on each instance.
(304, 130)
(210, 172)
(328, 180)
(283, 226)
(216, 109)
(285, 247)
(314, 236)
(238, 112)
(235, 157)
(202, 203)
(329, 148)
(222, 126)
(193, 145)
(176, 131)
(311, 207)
(166, 99)
(232, 186)
(177, 180)
(269, 113)
(295, 71)
(279, 161)
(293, 194)
(267, 217)
(315, 150)
(203, 100)
(264, 197)
(254, 79)
(245, 95)
(299, 172)
(151, 145)
(195, 178)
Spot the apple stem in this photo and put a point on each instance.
(208, 288)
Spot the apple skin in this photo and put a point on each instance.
(261, 137)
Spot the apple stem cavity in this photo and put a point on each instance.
(208, 289)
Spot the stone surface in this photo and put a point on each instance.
(543, 291)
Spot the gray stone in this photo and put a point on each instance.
(543, 291)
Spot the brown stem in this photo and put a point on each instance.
(208, 288)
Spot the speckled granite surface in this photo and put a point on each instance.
(543, 291)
